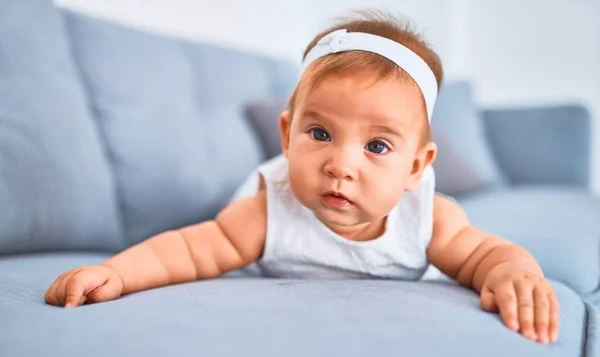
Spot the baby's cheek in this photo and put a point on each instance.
(301, 183)
(384, 195)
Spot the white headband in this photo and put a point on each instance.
(410, 62)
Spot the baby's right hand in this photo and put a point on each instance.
(89, 283)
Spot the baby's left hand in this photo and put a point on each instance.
(525, 299)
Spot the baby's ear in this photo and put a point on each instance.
(425, 157)
(285, 123)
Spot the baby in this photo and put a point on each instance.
(351, 196)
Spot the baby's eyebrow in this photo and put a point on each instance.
(395, 130)
(388, 129)
(313, 114)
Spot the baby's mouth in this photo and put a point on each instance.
(336, 200)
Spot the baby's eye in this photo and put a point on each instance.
(320, 135)
(377, 147)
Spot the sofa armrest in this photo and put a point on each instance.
(541, 145)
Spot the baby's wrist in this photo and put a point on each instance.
(509, 267)
(108, 265)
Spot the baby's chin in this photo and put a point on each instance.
(337, 219)
(344, 218)
(352, 227)
(338, 214)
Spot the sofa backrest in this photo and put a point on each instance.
(542, 145)
(56, 187)
(172, 116)
(109, 135)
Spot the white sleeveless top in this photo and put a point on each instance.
(299, 245)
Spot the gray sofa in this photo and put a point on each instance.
(109, 135)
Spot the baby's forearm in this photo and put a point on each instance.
(168, 258)
(490, 253)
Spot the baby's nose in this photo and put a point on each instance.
(341, 167)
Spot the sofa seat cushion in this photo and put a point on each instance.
(241, 316)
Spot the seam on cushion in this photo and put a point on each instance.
(100, 134)
(204, 109)
(591, 328)
(594, 294)
(584, 338)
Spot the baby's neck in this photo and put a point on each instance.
(362, 232)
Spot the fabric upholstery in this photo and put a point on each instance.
(548, 145)
(241, 316)
(466, 163)
(264, 116)
(173, 119)
(56, 189)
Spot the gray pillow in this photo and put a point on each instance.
(465, 163)
(455, 175)
(264, 116)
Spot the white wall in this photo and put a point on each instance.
(280, 28)
(268, 26)
(516, 52)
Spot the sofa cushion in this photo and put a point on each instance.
(548, 145)
(559, 226)
(264, 116)
(172, 113)
(235, 316)
(56, 189)
(465, 163)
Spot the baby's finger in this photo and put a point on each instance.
(506, 299)
(74, 290)
(50, 296)
(542, 313)
(82, 300)
(108, 291)
(80, 284)
(524, 291)
(488, 300)
(554, 315)
(61, 287)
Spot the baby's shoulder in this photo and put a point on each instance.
(275, 170)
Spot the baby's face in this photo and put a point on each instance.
(353, 147)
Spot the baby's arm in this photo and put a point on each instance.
(507, 276)
(207, 250)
